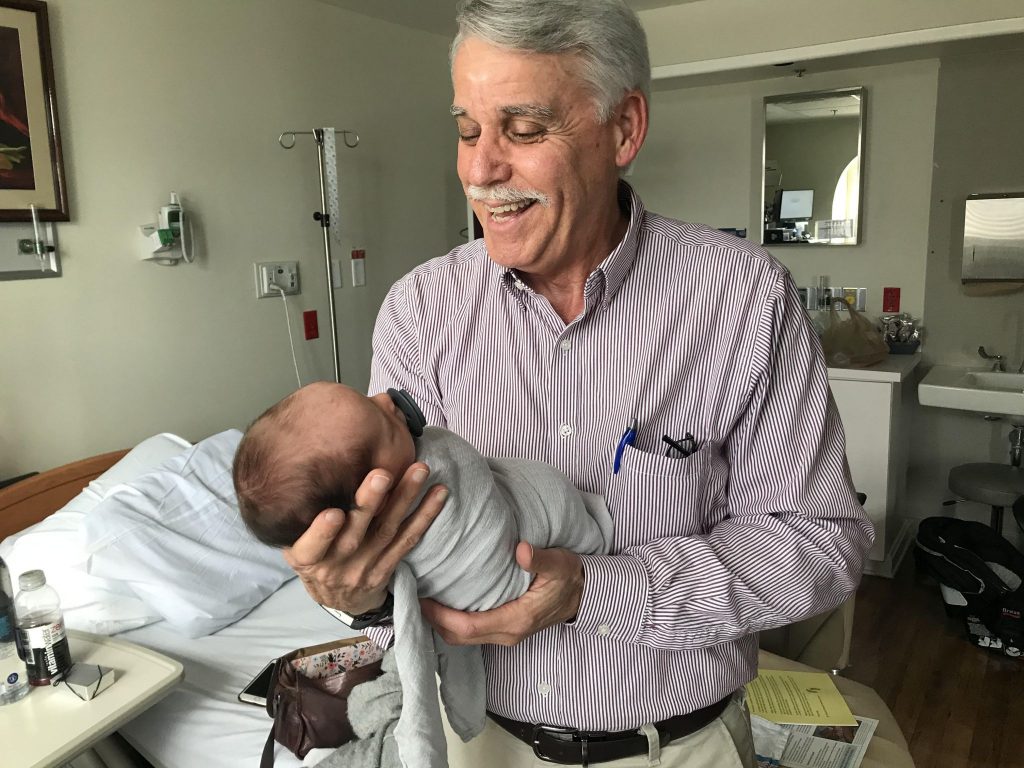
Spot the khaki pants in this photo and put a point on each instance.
(725, 742)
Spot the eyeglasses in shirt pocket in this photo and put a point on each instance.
(655, 496)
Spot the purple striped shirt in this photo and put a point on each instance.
(684, 329)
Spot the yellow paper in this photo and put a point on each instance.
(801, 698)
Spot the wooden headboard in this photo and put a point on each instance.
(30, 500)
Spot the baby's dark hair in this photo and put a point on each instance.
(280, 493)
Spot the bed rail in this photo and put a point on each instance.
(29, 501)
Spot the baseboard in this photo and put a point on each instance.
(894, 557)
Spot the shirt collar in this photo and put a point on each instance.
(616, 266)
(609, 274)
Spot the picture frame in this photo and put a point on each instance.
(31, 159)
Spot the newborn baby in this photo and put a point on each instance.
(312, 450)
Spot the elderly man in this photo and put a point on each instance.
(664, 365)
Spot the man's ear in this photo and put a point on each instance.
(630, 127)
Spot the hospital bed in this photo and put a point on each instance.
(201, 722)
(45, 519)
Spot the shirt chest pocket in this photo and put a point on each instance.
(655, 496)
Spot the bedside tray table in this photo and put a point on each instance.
(51, 724)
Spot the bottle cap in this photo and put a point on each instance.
(32, 579)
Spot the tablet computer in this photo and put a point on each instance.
(258, 688)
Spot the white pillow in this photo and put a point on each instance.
(175, 536)
(57, 546)
(144, 457)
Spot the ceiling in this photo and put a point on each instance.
(797, 69)
(823, 107)
(438, 16)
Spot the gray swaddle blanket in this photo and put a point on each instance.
(466, 560)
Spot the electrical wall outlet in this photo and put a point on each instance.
(310, 325)
(891, 299)
(284, 274)
(855, 297)
(814, 298)
(358, 267)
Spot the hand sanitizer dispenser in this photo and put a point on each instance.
(170, 239)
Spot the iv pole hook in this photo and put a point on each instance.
(287, 139)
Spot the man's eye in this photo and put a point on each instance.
(468, 138)
(527, 136)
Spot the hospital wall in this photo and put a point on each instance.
(702, 162)
(191, 96)
(937, 130)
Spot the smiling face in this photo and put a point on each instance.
(540, 170)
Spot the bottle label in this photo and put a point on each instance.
(6, 627)
(12, 668)
(47, 654)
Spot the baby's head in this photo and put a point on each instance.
(310, 452)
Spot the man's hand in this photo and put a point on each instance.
(553, 597)
(345, 560)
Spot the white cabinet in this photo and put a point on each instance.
(871, 405)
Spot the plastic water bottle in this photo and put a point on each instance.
(13, 675)
(41, 630)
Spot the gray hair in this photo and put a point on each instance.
(605, 35)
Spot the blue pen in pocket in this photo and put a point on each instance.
(628, 437)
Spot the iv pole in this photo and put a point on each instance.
(324, 217)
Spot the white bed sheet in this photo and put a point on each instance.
(202, 723)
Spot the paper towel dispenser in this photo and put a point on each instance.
(993, 248)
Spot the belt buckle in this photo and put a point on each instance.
(554, 729)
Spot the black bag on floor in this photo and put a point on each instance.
(980, 575)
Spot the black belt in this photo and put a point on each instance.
(571, 747)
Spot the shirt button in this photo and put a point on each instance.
(603, 629)
(543, 688)
(520, 285)
(565, 430)
(566, 345)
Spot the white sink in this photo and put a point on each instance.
(971, 389)
(997, 381)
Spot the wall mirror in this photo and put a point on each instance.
(813, 167)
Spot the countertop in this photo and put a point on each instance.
(894, 369)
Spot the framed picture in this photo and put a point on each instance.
(31, 163)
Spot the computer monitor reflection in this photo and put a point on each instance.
(796, 205)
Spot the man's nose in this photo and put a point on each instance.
(488, 162)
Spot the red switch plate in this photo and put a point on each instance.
(309, 323)
(890, 299)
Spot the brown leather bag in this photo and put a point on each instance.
(308, 696)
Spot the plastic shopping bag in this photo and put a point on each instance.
(853, 343)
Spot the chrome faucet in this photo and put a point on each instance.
(998, 364)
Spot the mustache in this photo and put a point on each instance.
(505, 193)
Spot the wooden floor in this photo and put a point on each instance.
(959, 706)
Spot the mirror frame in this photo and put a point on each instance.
(805, 96)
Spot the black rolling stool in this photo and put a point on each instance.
(998, 485)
